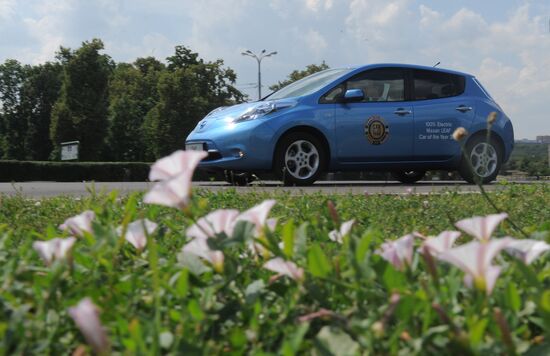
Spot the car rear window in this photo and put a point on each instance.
(436, 85)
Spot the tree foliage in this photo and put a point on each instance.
(80, 113)
(13, 124)
(188, 90)
(124, 112)
(299, 74)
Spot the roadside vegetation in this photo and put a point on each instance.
(301, 282)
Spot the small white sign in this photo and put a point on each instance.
(69, 150)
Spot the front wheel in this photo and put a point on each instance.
(300, 159)
(238, 179)
(408, 177)
(482, 161)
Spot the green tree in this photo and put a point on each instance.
(133, 93)
(188, 90)
(13, 125)
(299, 74)
(39, 93)
(81, 111)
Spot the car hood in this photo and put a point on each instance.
(227, 114)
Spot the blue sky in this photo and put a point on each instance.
(505, 43)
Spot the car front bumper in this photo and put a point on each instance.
(245, 146)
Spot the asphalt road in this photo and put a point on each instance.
(49, 189)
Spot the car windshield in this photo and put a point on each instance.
(309, 84)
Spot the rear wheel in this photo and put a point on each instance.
(408, 176)
(484, 160)
(300, 159)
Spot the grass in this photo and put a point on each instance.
(162, 301)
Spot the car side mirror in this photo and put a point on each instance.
(353, 95)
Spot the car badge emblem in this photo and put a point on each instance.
(202, 124)
(376, 130)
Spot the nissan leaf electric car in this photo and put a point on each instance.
(390, 117)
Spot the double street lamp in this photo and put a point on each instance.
(259, 58)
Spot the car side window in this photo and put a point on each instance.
(334, 95)
(436, 85)
(385, 84)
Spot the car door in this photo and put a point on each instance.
(439, 108)
(379, 127)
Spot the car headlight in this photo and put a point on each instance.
(257, 111)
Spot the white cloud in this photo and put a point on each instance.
(315, 41)
(315, 5)
(7, 9)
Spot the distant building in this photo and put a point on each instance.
(543, 139)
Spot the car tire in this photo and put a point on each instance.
(483, 160)
(408, 177)
(238, 179)
(300, 159)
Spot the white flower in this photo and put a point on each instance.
(474, 258)
(286, 268)
(481, 227)
(175, 164)
(345, 229)
(216, 222)
(527, 250)
(137, 231)
(441, 243)
(398, 252)
(54, 249)
(174, 192)
(79, 224)
(86, 317)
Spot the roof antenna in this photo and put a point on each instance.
(435, 65)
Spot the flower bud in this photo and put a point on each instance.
(459, 134)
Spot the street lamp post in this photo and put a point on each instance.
(259, 60)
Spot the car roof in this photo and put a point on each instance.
(412, 66)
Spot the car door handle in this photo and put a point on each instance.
(402, 111)
(463, 108)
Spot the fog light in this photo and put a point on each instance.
(237, 153)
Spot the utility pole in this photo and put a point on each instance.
(259, 58)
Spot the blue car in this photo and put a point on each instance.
(389, 117)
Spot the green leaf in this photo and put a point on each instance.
(182, 283)
(512, 297)
(288, 238)
(545, 301)
(317, 261)
(477, 329)
(336, 342)
(393, 279)
(195, 310)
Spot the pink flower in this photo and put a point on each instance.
(286, 268)
(137, 231)
(199, 247)
(474, 258)
(441, 243)
(79, 224)
(54, 249)
(175, 164)
(345, 229)
(86, 317)
(257, 215)
(527, 250)
(481, 227)
(398, 252)
(216, 222)
(174, 192)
